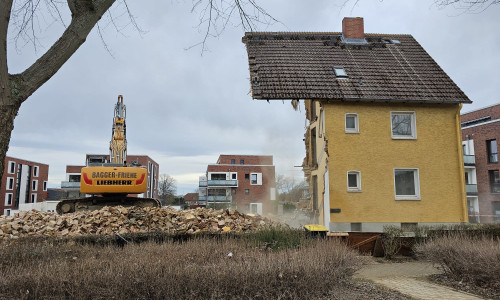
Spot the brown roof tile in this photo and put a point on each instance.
(300, 66)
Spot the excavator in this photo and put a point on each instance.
(111, 183)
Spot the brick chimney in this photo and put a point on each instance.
(353, 28)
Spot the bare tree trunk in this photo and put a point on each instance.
(7, 110)
(15, 89)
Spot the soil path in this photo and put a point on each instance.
(409, 278)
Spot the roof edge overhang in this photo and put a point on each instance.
(454, 101)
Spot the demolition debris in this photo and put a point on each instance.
(121, 220)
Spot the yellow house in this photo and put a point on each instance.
(383, 141)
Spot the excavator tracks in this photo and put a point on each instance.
(95, 203)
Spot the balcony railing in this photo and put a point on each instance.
(69, 185)
(469, 160)
(203, 184)
(215, 198)
(471, 189)
(233, 183)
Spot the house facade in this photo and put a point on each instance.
(383, 140)
(23, 182)
(243, 182)
(480, 137)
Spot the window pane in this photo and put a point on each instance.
(401, 124)
(405, 182)
(254, 179)
(494, 181)
(352, 180)
(492, 151)
(350, 122)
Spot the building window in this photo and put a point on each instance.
(242, 161)
(256, 178)
(354, 181)
(12, 167)
(34, 185)
(247, 191)
(494, 181)
(33, 198)
(8, 199)
(7, 212)
(74, 178)
(10, 183)
(233, 176)
(406, 184)
(45, 185)
(233, 161)
(247, 176)
(491, 145)
(340, 72)
(35, 171)
(218, 176)
(351, 123)
(403, 125)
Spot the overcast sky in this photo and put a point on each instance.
(184, 108)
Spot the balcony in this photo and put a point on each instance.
(70, 185)
(469, 160)
(471, 189)
(215, 198)
(203, 184)
(223, 183)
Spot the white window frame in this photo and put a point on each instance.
(10, 164)
(356, 123)
(36, 170)
(10, 183)
(413, 135)
(33, 197)
(416, 179)
(34, 185)
(7, 199)
(45, 186)
(6, 212)
(358, 181)
(259, 178)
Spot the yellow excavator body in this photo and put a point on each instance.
(110, 183)
(113, 180)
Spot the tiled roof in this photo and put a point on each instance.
(385, 68)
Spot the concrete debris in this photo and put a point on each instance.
(121, 220)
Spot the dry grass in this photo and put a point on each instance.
(468, 260)
(194, 269)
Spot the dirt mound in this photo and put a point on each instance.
(110, 220)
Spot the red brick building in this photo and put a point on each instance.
(480, 136)
(23, 181)
(246, 182)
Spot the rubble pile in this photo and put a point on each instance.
(111, 220)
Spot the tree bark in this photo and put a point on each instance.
(7, 111)
(15, 89)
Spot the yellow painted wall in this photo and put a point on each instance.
(373, 152)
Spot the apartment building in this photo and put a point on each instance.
(23, 182)
(480, 136)
(383, 142)
(243, 182)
